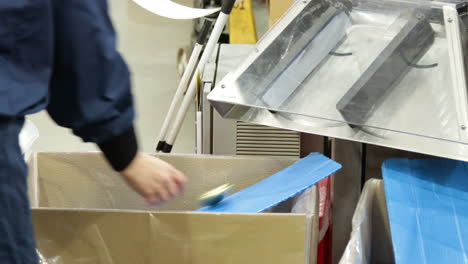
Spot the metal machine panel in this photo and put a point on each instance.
(252, 139)
(395, 61)
(230, 137)
(393, 74)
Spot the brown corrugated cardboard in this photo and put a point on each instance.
(277, 8)
(92, 237)
(84, 232)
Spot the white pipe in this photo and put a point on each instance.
(210, 47)
(180, 90)
(199, 132)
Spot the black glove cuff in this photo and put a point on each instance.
(120, 150)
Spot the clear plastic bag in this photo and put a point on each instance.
(28, 135)
(43, 260)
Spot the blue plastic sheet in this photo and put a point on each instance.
(279, 187)
(428, 210)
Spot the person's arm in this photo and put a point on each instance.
(90, 93)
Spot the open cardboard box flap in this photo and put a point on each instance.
(84, 180)
(99, 223)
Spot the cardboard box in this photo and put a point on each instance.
(101, 220)
(371, 237)
(277, 8)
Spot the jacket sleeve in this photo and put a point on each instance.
(90, 84)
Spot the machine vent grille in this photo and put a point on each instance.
(266, 141)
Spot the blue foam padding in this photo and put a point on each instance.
(279, 187)
(428, 210)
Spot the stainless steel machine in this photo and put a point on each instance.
(216, 135)
(377, 76)
(389, 73)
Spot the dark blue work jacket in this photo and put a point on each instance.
(61, 55)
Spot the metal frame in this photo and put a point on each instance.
(457, 68)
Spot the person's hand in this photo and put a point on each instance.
(154, 179)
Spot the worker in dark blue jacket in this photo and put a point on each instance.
(61, 55)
